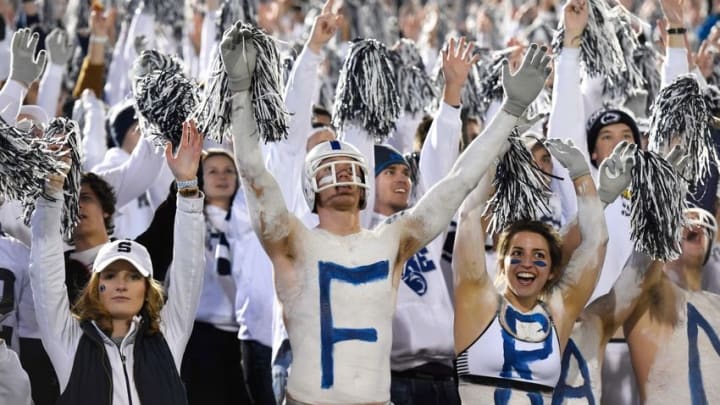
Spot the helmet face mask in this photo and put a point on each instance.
(341, 153)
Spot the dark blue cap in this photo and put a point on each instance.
(386, 155)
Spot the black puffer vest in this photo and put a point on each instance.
(156, 378)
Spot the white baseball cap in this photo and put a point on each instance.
(127, 250)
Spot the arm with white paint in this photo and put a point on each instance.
(435, 209)
(270, 218)
(576, 280)
(615, 307)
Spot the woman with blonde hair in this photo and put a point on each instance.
(121, 344)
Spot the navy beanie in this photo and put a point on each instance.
(120, 119)
(608, 116)
(386, 155)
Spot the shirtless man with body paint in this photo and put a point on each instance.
(337, 283)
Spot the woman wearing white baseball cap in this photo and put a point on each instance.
(121, 344)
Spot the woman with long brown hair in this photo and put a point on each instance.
(121, 344)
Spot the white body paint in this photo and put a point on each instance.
(668, 379)
(361, 369)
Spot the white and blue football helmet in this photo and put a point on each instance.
(314, 165)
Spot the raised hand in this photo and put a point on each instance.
(575, 19)
(522, 88)
(615, 172)
(238, 54)
(569, 156)
(324, 27)
(24, 66)
(59, 46)
(184, 165)
(457, 60)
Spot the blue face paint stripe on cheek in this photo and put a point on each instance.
(540, 263)
(515, 261)
(102, 288)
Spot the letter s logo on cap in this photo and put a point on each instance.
(124, 247)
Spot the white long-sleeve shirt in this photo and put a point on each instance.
(14, 381)
(133, 218)
(49, 89)
(61, 332)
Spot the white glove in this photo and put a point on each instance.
(238, 55)
(615, 172)
(24, 67)
(523, 87)
(569, 156)
(59, 47)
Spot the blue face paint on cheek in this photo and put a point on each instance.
(102, 288)
(515, 261)
(540, 263)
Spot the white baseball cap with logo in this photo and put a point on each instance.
(127, 250)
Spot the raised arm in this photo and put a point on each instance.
(475, 292)
(435, 210)
(567, 117)
(581, 273)
(270, 218)
(60, 332)
(676, 53)
(188, 264)
(441, 147)
(25, 68)
(60, 50)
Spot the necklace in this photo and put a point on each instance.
(534, 327)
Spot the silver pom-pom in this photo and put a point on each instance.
(64, 134)
(213, 112)
(600, 53)
(631, 80)
(681, 111)
(657, 203)
(520, 190)
(416, 88)
(367, 94)
(25, 164)
(647, 60)
(164, 97)
(235, 10)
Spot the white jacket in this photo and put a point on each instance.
(61, 332)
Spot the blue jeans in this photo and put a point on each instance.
(416, 391)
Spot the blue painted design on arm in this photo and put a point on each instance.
(695, 377)
(329, 335)
(563, 390)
